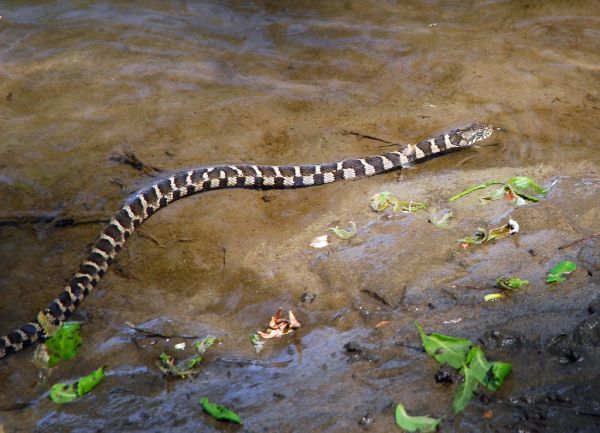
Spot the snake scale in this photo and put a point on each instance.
(150, 199)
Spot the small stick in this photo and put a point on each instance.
(154, 334)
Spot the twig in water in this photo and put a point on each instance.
(155, 334)
(129, 158)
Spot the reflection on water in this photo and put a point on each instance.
(181, 84)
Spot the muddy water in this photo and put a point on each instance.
(184, 84)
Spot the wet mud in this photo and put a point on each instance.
(86, 85)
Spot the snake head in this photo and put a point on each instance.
(473, 133)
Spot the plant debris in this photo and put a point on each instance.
(422, 424)
(63, 344)
(510, 283)
(61, 393)
(445, 349)
(383, 200)
(441, 219)
(494, 297)
(344, 233)
(460, 353)
(320, 242)
(279, 327)
(518, 189)
(219, 412)
(169, 366)
(482, 235)
(257, 342)
(559, 271)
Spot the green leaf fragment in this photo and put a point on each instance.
(489, 374)
(61, 393)
(408, 206)
(89, 382)
(344, 233)
(64, 343)
(423, 424)
(526, 188)
(445, 349)
(379, 202)
(475, 188)
(493, 297)
(219, 412)
(465, 391)
(560, 270)
(518, 189)
(480, 236)
(257, 342)
(203, 345)
(510, 283)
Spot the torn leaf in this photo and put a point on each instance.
(64, 343)
(510, 283)
(464, 393)
(481, 235)
(219, 412)
(559, 271)
(489, 374)
(61, 393)
(344, 233)
(422, 424)
(445, 349)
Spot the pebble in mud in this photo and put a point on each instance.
(308, 297)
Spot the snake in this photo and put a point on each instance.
(167, 189)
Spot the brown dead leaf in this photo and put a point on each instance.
(279, 327)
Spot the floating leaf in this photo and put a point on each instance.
(344, 233)
(441, 220)
(61, 393)
(558, 271)
(445, 349)
(494, 297)
(510, 283)
(423, 424)
(464, 393)
(489, 374)
(64, 343)
(219, 412)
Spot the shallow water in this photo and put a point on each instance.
(185, 84)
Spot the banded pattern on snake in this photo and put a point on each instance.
(150, 199)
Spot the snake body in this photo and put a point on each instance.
(150, 199)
